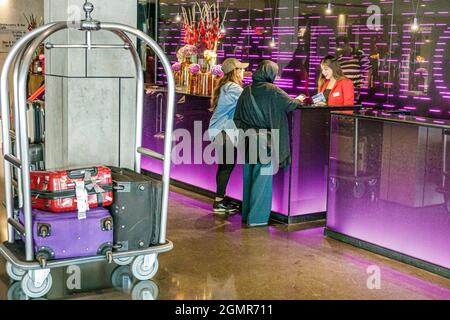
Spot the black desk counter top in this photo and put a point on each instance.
(396, 117)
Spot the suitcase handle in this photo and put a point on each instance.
(79, 173)
(116, 169)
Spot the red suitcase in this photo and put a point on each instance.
(64, 190)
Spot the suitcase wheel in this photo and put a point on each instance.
(106, 250)
(107, 224)
(145, 267)
(45, 254)
(44, 230)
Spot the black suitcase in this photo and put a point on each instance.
(136, 210)
(35, 156)
(36, 122)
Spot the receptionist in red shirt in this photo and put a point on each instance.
(337, 89)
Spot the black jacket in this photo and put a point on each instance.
(274, 103)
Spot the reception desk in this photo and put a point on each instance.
(389, 186)
(299, 191)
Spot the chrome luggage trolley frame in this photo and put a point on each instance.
(35, 275)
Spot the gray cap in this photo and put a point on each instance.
(231, 63)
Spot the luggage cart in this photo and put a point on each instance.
(21, 263)
(361, 181)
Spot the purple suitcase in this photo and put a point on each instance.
(62, 235)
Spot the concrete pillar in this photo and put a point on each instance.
(90, 94)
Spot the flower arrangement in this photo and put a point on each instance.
(33, 22)
(217, 71)
(176, 67)
(209, 55)
(194, 68)
(205, 31)
(186, 52)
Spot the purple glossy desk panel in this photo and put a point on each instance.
(390, 188)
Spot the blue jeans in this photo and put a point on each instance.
(257, 197)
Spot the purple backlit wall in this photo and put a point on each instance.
(408, 70)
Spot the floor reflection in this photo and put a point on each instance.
(84, 281)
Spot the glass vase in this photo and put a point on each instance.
(184, 72)
(193, 83)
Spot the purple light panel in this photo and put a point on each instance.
(396, 78)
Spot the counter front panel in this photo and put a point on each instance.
(389, 185)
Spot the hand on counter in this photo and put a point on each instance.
(301, 98)
(320, 104)
(150, 91)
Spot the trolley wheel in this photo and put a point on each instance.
(123, 261)
(359, 189)
(145, 290)
(143, 271)
(334, 184)
(14, 273)
(15, 292)
(122, 278)
(32, 291)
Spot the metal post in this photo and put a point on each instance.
(444, 158)
(169, 115)
(23, 135)
(355, 147)
(4, 96)
(17, 67)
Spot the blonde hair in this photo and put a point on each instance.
(332, 63)
(232, 76)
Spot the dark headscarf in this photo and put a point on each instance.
(267, 71)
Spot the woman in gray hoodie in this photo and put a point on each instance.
(263, 105)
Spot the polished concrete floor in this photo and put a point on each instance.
(216, 258)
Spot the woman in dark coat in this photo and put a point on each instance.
(269, 110)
